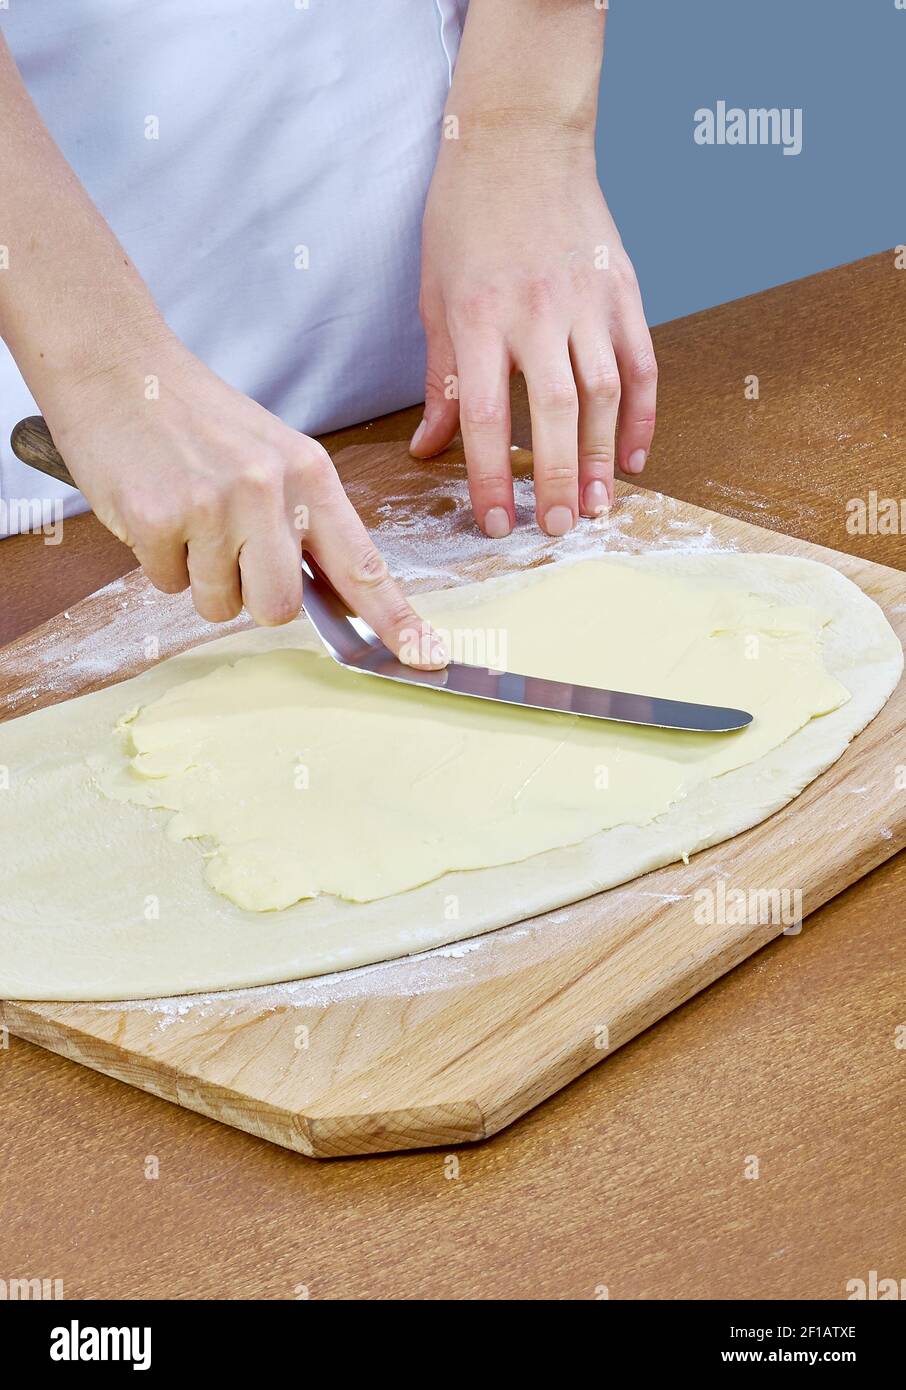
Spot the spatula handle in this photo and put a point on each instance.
(31, 442)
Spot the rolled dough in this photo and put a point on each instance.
(418, 818)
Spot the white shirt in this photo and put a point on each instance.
(265, 164)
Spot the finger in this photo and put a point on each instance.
(344, 550)
(165, 563)
(554, 407)
(598, 382)
(638, 404)
(484, 416)
(271, 575)
(440, 420)
(214, 571)
(146, 525)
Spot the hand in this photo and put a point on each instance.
(523, 268)
(209, 489)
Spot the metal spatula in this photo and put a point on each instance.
(353, 644)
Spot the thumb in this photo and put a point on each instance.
(441, 418)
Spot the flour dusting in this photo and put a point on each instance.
(141, 627)
(433, 540)
(445, 967)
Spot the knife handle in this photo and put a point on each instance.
(31, 442)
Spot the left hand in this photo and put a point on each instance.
(523, 269)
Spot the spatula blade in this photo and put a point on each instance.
(534, 692)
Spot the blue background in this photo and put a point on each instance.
(704, 224)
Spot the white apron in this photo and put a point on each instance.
(285, 134)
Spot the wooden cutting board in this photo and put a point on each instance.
(450, 1047)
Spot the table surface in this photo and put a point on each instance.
(638, 1177)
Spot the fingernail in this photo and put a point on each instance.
(497, 523)
(438, 654)
(558, 521)
(636, 461)
(595, 499)
(419, 435)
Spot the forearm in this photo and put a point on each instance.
(515, 239)
(528, 70)
(71, 302)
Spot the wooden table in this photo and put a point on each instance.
(634, 1178)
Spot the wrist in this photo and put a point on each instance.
(548, 97)
(101, 377)
(98, 355)
(512, 115)
(516, 140)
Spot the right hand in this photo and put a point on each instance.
(211, 490)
